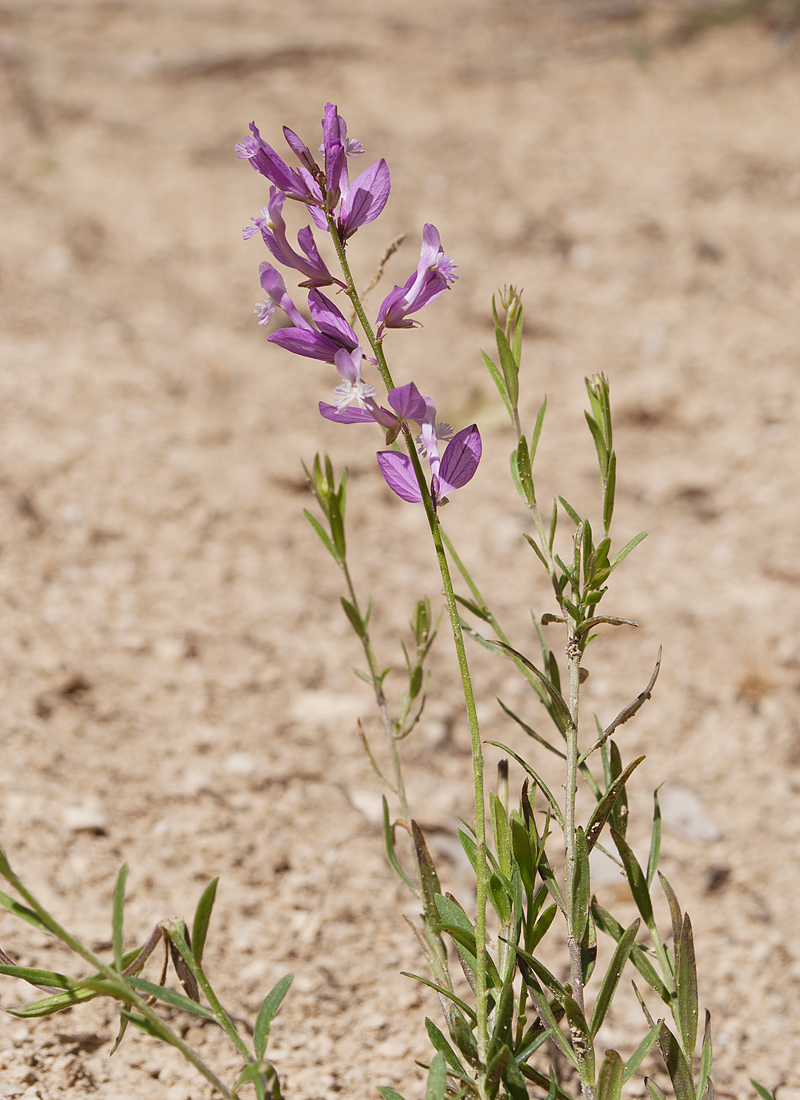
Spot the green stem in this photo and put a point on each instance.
(380, 699)
(466, 680)
(125, 992)
(352, 293)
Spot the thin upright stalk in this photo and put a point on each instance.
(380, 699)
(481, 998)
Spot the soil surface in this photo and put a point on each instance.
(176, 669)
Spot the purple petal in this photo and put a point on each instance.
(329, 320)
(366, 198)
(305, 341)
(460, 461)
(399, 475)
(300, 149)
(349, 415)
(408, 402)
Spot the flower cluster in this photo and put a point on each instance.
(340, 208)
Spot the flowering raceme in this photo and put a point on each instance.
(340, 207)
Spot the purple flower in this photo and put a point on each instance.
(272, 227)
(407, 402)
(453, 471)
(325, 188)
(435, 273)
(296, 184)
(332, 332)
(449, 473)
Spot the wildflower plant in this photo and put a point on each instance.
(519, 1026)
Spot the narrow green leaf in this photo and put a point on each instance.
(429, 880)
(389, 1094)
(324, 538)
(610, 491)
(391, 855)
(705, 1059)
(765, 1094)
(619, 813)
(675, 911)
(437, 1078)
(24, 913)
(353, 615)
(636, 879)
(498, 381)
(626, 549)
(610, 1079)
(202, 917)
(605, 806)
(534, 971)
(554, 806)
(443, 993)
(469, 846)
(599, 443)
(686, 987)
(573, 515)
(612, 976)
(553, 526)
(641, 1052)
(654, 1090)
(559, 703)
(453, 916)
(500, 828)
(37, 977)
(655, 840)
(509, 367)
(267, 1013)
(581, 886)
(441, 1045)
(117, 918)
(537, 431)
(679, 1073)
(123, 1027)
(479, 612)
(638, 955)
(146, 1025)
(550, 1023)
(171, 997)
(535, 547)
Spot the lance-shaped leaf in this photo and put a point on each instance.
(638, 956)
(636, 879)
(558, 701)
(453, 916)
(437, 1078)
(705, 1059)
(686, 987)
(391, 855)
(610, 1078)
(441, 1045)
(24, 913)
(202, 917)
(654, 1090)
(604, 807)
(675, 912)
(581, 887)
(118, 913)
(549, 1021)
(612, 976)
(170, 997)
(443, 993)
(641, 1051)
(268, 1012)
(655, 840)
(554, 806)
(679, 1073)
(429, 880)
(532, 732)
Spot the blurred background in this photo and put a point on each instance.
(176, 671)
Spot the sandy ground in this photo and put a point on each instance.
(176, 677)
